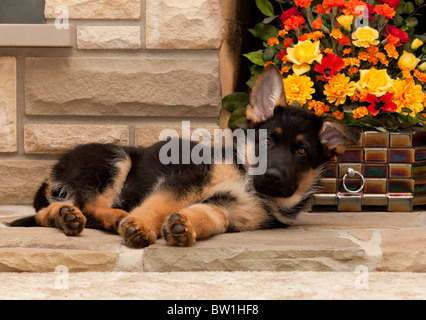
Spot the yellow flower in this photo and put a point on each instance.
(298, 88)
(360, 112)
(338, 88)
(303, 54)
(417, 43)
(346, 21)
(374, 81)
(422, 67)
(408, 60)
(408, 95)
(366, 36)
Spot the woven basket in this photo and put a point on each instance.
(393, 169)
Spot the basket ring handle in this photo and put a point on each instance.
(350, 172)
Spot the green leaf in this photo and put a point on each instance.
(237, 119)
(412, 22)
(264, 31)
(235, 101)
(413, 121)
(269, 19)
(398, 20)
(409, 8)
(265, 7)
(256, 57)
(268, 54)
(407, 110)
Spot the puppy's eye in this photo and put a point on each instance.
(301, 151)
(267, 142)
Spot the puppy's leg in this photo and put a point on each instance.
(143, 225)
(197, 221)
(65, 217)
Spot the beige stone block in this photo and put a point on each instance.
(148, 135)
(266, 250)
(43, 138)
(108, 37)
(21, 179)
(95, 9)
(184, 24)
(403, 251)
(8, 104)
(165, 86)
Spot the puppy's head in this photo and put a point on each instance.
(298, 141)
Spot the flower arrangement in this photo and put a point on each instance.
(358, 61)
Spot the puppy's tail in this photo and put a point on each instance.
(40, 201)
(23, 222)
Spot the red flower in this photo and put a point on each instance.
(330, 66)
(384, 103)
(398, 33)
(289, 13)
(391, 3)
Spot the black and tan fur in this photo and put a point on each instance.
(129, 191)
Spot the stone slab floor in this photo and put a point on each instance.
(330, 255)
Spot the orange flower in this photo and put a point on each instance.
(294, 22)
(317, 24)
(328, 50)
(319, 107)
(391, 51)
(363, 55)
(347, 51)
(352, 61)
(406, 73)
(313, 36)
(352, 71)
(345, 41)
(336, 34)
(382, 57)
(285, 69)
(372, 50)
(303, 3)
(385, 10)
(320, 9)
(339, 115)
(392, 39)
(354, 7)
(273, 41)
(421, 76)
(282, 33)
(268, 63)
(360, 112)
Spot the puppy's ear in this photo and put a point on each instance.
(267, 93)
(335, 136)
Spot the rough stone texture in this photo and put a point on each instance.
(267, 250)
(23, 178)
(392, 246)
(171, 87)
(147, 135)
(108, 37)
(95, 9)
(8, 104)
(184, 24)
(41, 138)
(403, 250)
(212, 286)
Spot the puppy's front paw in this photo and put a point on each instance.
(70, 220)
(178, 231)
(135, 234)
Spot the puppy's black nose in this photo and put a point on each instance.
(273, 176)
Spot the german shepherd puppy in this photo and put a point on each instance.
(130, 192)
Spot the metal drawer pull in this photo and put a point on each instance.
(352, 173)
